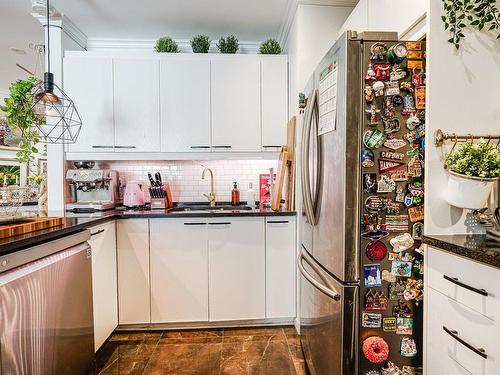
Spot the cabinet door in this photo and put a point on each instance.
(104, 281)
(237, 273)
(133, 271)
(185, 105)
(136, 105)
(236, 103)
(179, 270)
(274, 73)
(280, 267)
(89, 83)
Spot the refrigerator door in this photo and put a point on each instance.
(327, 320)
(336, 231)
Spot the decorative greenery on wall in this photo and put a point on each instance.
(228, 45)
(200, 44)
(166, 44)
(270, 47)
(480, 14)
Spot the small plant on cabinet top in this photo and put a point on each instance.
(228, 45)
(480, 159)
(200, 44)
(166, 44)
(270, 47)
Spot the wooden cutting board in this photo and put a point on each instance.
(30, 225)
(280, 178)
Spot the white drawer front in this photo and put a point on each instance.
(445, 353)
(452, 275)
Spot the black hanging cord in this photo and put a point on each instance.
(48, 35)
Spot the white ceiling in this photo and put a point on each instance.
(17, 29)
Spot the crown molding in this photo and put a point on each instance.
(99, 44)
(74, 32)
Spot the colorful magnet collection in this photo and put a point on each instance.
(393, 212)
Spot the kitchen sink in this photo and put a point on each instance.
(206, 208)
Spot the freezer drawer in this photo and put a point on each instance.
(327, 320)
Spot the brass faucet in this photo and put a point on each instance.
(211, 196)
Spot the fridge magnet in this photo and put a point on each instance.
(399, 175)
(378, 87)
(417, 230)
(372, 372)
(401, 268)
(369, 94)
(397, 100)
(378, 51)
(410, 370)
(397, 73)
(396, 223)
(415, 167)
(406, 87)
(416, 213)
(371, 320)
(372, 276)
(420, 97)
(402, 242)
(408, 105)
(388, 165)
(408, 200)
(373, 139)
(415, 64)
(376, 251)
(382, 71)
(391, 207)
(414, 46)
(391, 125)
(374, 234)
(414, 290)
(387, 276)
(388, 107)
(373, 204)
(372, 112)
(390, 369)
(408, 347)
(415, 134)
(391, 88)
(389, 324)
(402, 309)
(404, 326)
(370, 182)
(396, 290)
(412, 122)
(385, 184)
(391, 155)
(367, 158)
(418, 268)
(375, 301)
(394, 143)
(392, 256)
(375, 349)
(370, 73)
(416, 78)
(397, 52)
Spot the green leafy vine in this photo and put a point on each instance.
(480, 14)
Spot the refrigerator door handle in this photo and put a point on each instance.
(306, 136)
(318, 172)
(332, 293)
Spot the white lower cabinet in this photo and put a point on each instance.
(237, 261)
(280, 267)
(179, 270)
(104, 281)
(133, 271)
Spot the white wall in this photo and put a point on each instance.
(463, 96)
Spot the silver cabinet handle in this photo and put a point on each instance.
(190, 224)
(479, 351)
(221, 223)
(98, 146)
(195, 147)
(98, 232)
(332, 293)
(222, 146)
(125, 147)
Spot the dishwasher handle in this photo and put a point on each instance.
(332, 293)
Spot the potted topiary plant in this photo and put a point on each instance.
(200, 44)
(270, 47)
(166, 44)
(473, 170)
(228, 45)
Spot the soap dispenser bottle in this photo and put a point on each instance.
(235, 195)
(250, 195)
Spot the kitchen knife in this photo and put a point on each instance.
(152, 189)
(159, 182)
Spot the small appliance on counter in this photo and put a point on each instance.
(133, 196)
(92, 189)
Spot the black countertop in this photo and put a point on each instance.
(78, 222)
(471, 246)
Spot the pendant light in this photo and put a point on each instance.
(59, 121)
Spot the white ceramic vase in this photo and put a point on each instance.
(467, 191)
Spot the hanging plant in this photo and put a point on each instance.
(480, 14)
(228, 45)
(166, 44)
(200, 44)
(18, 108)
(270, 47)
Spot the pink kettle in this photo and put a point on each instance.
(133, 195)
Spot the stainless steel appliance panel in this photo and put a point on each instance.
(46, 324)
(328, 322)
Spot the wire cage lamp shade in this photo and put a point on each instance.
(59, 121)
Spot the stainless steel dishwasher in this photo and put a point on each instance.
(46, 322)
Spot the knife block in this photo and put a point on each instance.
(158, 203)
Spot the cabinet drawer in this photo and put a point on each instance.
(460, 338)
(472, 284)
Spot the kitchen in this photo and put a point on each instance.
(295, 207)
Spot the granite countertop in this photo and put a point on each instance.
(471, 246)
(80, 221)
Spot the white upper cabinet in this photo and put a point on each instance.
(89, 83)
(236, 103)
(274, 80)
(185, 104)
(136, 105)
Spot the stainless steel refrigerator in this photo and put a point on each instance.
(336, 228)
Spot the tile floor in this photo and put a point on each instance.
(230, 351)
